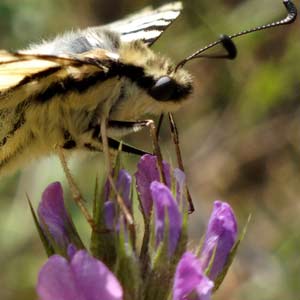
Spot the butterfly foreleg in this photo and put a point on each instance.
(134, 126)
(120, 200)
(175, 136)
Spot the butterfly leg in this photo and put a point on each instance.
(175, 137)
(159, 124)
(93, 139)
(122, 127)
(120, 200)
(76, 194)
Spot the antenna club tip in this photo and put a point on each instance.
(289, 4)
(292, 11)
(229, 45)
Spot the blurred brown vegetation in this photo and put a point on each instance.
(240, 137)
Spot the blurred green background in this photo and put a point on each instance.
(240, 137)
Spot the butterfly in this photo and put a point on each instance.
(55, 93)
(59, 92)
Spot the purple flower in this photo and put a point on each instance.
(190, 282)
(54, 218)
(123, 186)
(147, 173)
(165, 203)
(220, 237)
(83, 278)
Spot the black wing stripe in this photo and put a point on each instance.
(37, 76)
(147, 25)
(70, 85)
(157, 25)
(30, 78)
(168, 16)
(145, 36)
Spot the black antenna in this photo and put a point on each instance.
(228, 44)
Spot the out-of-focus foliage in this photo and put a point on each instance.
(239, 137)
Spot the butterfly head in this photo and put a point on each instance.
(156, 74)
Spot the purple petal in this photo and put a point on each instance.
(71, 251)
(96, 280)
(147, 173)
(190, 282)
(56, 281)
(84, 278)
(220, 237)
(124, 186)
(53, 215)
(164, 202)
(109, 214)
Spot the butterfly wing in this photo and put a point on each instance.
(22, 75)
(148, 24)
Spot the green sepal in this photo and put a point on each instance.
(96, 195)
(218, 281)
(127, 268)
(159, 266)
(183, 240)
(102, 243)
(47, 246)
(73, 235)
(102, 246)
(145, 247)
(160, 278)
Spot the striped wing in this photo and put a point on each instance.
(24, 75)
(147, 25)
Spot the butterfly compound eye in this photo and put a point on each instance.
(163, 89)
